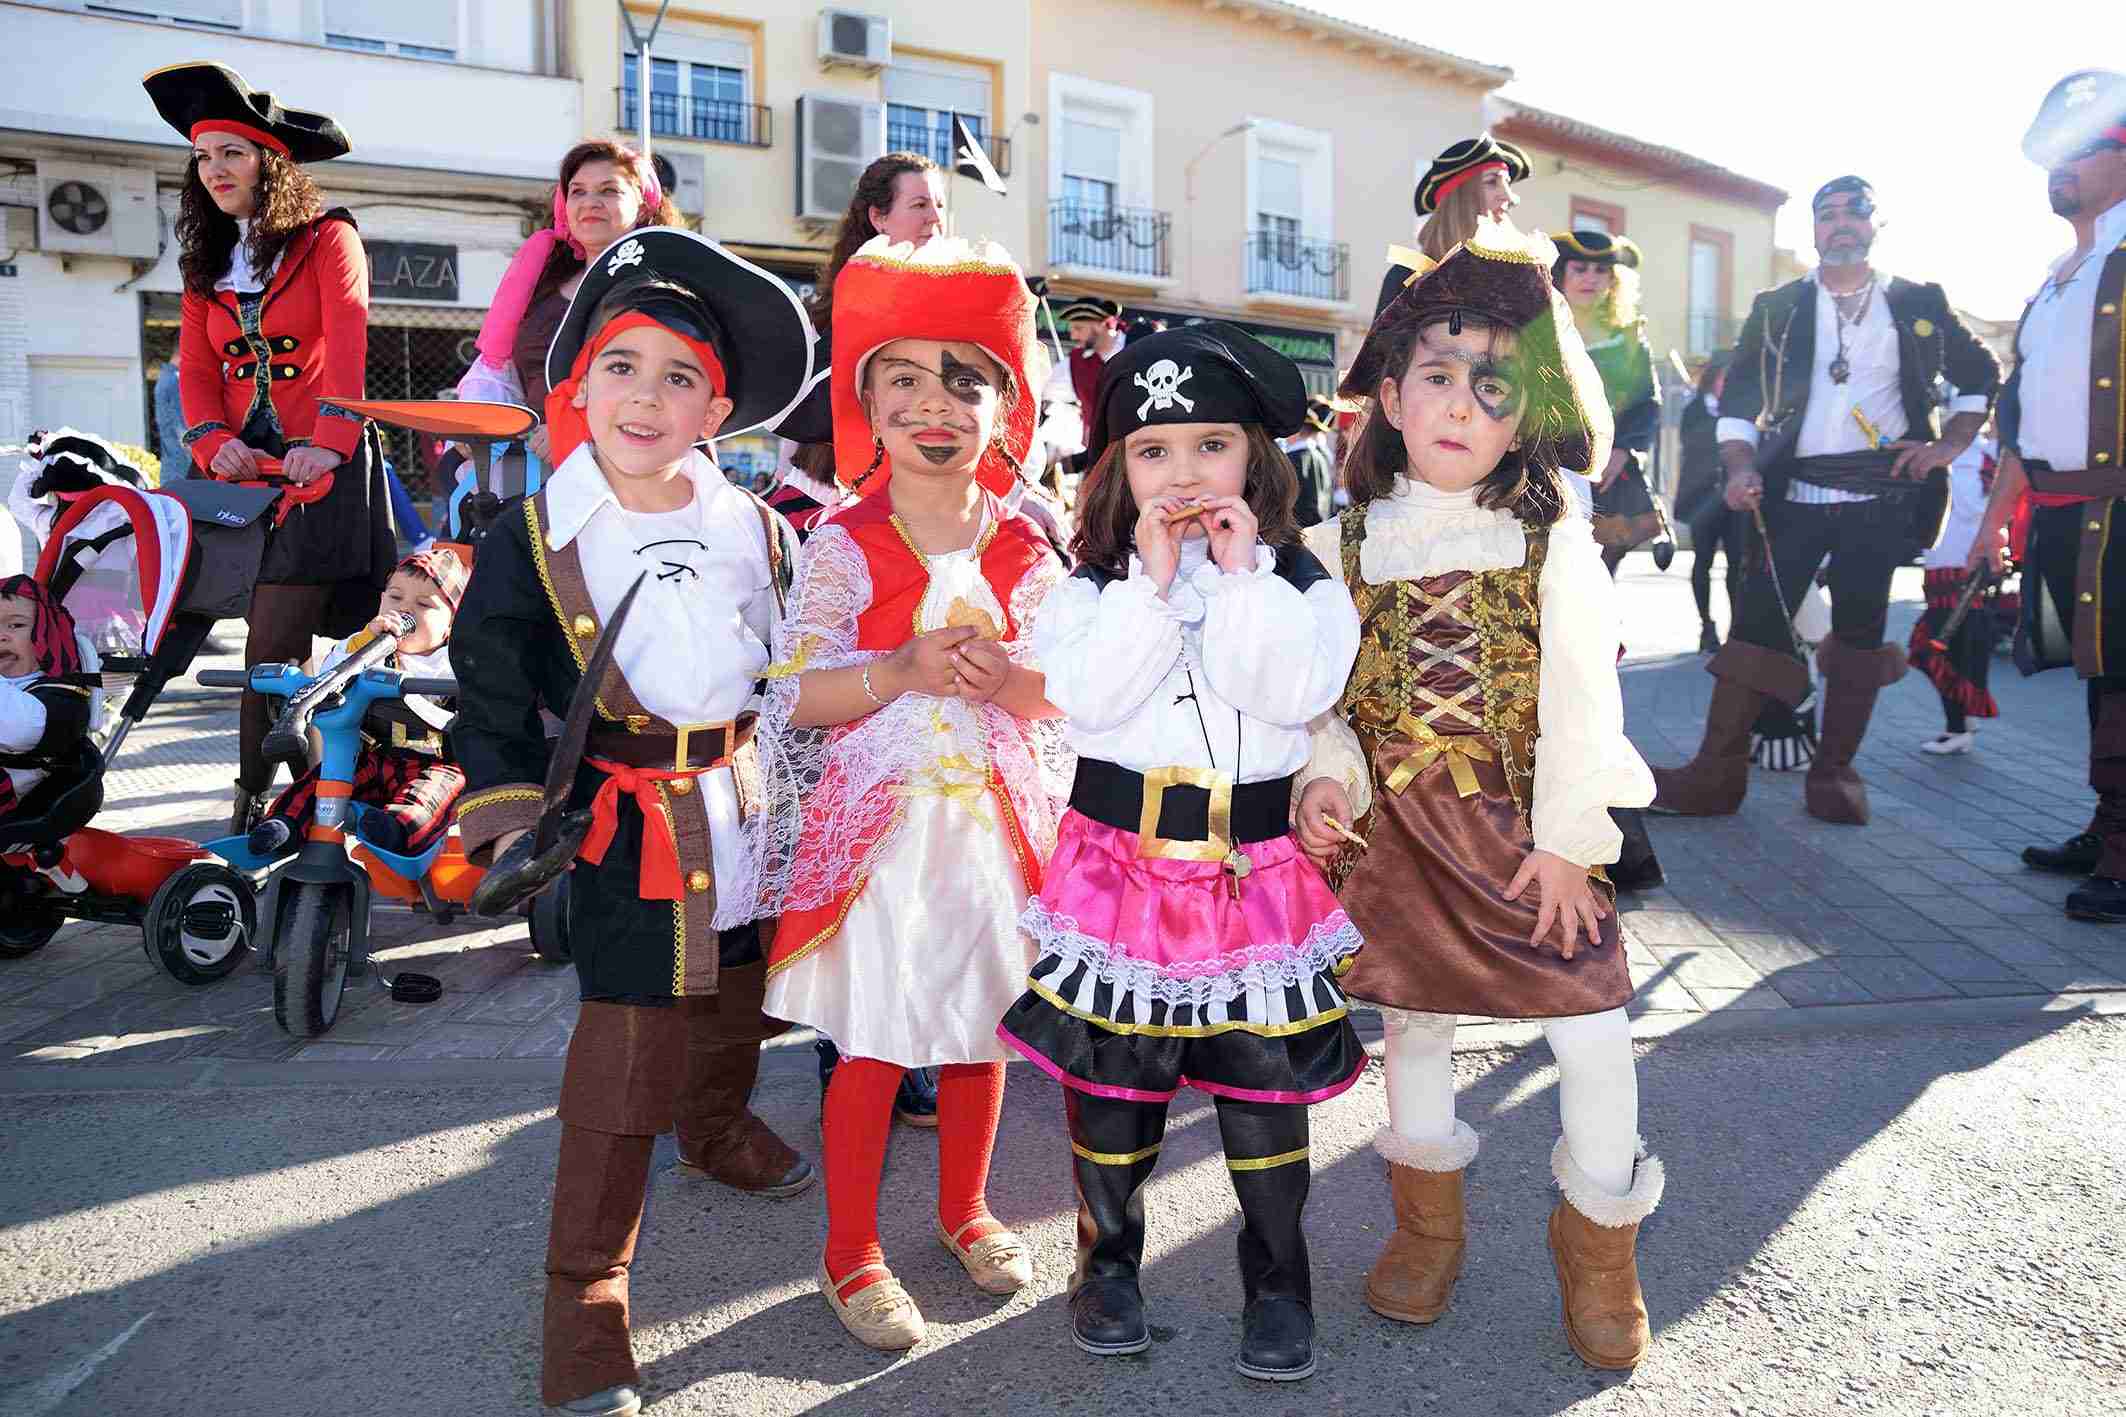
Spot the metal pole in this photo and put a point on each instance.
(642, 43)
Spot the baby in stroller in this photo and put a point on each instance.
(47, 702)
(410, 777)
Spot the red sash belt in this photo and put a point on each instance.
(661, 879)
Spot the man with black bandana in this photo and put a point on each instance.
(2061, 421)
(1828, 434)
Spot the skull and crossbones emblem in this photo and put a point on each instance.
(628, 254)
(1162, 388)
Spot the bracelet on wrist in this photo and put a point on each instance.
(869, 692)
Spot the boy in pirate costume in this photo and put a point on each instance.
(669, 341)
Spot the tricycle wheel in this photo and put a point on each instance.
(199, 925)
(549, 923)
(310, 958)
(29, 932)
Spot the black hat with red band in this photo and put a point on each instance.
(201, 98)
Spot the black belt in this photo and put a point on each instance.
(686, 748)
(1180, 803)
(1853, 472)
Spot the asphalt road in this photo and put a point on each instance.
(1912, 1221)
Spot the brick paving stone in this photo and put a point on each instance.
(1769, 952)
(2017, 947)
(521, 999)
(1702, 967)
(1818, 985)
(1664, 927)
(2075, 979)
(1894, 978)
(548, 1038)
(1894, 923)
(1956, 961)
(328, 1051)
(460, 1040)
(1759, 997)
(1989, 988)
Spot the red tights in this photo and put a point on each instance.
(854, 1126)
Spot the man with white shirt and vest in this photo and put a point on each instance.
(1828, 431)
(2062, 414)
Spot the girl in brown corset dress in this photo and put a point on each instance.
(1488, 632)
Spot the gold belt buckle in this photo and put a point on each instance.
(1219, 844)
(682, 733)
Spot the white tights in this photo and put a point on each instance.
(1598, 1086)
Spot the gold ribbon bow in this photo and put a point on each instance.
(946, 779)
(1428, 747)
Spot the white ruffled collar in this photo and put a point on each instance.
(1420, 530)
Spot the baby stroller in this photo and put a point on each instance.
(127, 565)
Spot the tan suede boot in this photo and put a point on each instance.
(1593, 1242)
(1852, 678)
(1714, 783)
(1414, 1276)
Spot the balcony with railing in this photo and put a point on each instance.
(1129, 242)
(705, 120)
(1297, 267)
(936, 144)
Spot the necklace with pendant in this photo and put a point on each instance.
(1841, 367)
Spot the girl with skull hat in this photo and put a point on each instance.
(1184, 938)
(1474, 865)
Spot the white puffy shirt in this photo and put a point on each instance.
(1264, 658)
(1584, 765)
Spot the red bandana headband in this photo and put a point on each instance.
(566, 427)
(1460, 177)
(52, 642)
(243, 130)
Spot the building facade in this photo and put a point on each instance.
(458, 113)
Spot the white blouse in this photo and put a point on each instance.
(1584, 765)
(696, 641)
(1261, 658)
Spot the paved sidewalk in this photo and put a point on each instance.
(1769, 912)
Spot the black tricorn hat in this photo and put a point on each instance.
(1466, 156)
(1597, 246)
(2083, 110)
(1209, 372)
(755, 323)
(1089, 307)
(1502, 277)
(199, 97)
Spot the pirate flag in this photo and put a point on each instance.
(971, 159)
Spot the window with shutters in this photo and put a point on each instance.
(701, 86)
(923, 96)
(411, 29)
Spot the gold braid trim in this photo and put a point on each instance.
(494, 795)
(553, 599)
(1266, 1163)
(1115, 1158)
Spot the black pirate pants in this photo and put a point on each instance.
(1865, 541)
(2054, 564)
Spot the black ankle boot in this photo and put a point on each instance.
(1708, 638)
(2076, 856)
(1637, 868)
(1107, 1318)
(1277, 1340)
(1114, 1146)
(915, 1102)
(2100, 898)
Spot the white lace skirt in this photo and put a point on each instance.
(930, 955)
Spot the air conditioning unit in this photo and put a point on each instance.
(89, 210)
(837, 138)
(691, 192)
(851, 39)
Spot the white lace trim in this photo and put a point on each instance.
(1421, 531)
(1214, 980)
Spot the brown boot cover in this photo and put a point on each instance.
(597, 1213)
(1414, 1276)
(719, 1136)
(1714, 783)
(1852, 679)
(1593, 1241)
(624, 1066)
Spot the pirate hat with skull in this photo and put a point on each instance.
(1211, 372)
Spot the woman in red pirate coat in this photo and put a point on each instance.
(908, 731)
(276, 326)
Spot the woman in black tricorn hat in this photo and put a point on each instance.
(1599, 277)
(276, 326)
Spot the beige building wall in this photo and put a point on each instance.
(749, 190)
(1360, 112)
(1665, 202)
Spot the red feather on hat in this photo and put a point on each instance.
(951, 289)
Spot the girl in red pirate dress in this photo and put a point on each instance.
(906, 723)
(47, 702)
